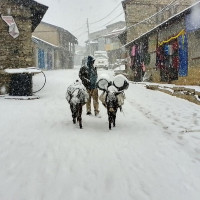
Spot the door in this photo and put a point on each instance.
(41, 61)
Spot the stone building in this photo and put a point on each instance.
(98, 38)
(45, 54)
(62, 39)
(112, 46)
(173, 49)
(107, 40)
(143, 15)
(17, 52)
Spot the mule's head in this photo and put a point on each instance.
(111, 99)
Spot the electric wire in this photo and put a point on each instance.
(79, 28)
(155, 14)
(142, 21)
(99, 19)
(106, 15)
(162, 10)
(103, 26)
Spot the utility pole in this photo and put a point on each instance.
(88, 37)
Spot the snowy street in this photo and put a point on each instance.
(153, 153)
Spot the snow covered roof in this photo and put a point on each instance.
(93, 42)
(36, 39)
(165, 23)
(115, 32)
(29, 70)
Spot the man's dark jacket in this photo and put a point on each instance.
(88, 76)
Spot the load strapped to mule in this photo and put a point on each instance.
(115, 86)
(77, 93)
(113, 95)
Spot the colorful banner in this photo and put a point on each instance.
(13, 30)
(182, 32)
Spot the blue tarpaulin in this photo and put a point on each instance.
(183, 55)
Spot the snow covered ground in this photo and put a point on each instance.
(152, 154)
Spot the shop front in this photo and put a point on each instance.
(172, 57)
(139, 59)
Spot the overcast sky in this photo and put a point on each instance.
(72, 15)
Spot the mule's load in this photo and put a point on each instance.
(77, 93)
(76, 96)
(121, 82)
(113, 95)
(103, 82)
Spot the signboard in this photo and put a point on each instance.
(13, 30)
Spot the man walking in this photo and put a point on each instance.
(88, 76)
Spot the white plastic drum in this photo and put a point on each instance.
(102, 84)
(103, 81)
(121, 82)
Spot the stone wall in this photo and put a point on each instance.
(14, 53)
(194, 48)
(136, 11)
(47, 33)
(189, 94)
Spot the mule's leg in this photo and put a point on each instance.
(110, 119)
(114, 117)
(110, 124)
(79, 117)
(74, 116)
(73, 113)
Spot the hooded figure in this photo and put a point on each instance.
(88, 76)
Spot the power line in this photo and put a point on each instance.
(79, 28)
(113, 19)
(149, 18)
(80, 34)
(110, 21)
(99, 19)
(106, 15)
(162, 10)
(168, 6)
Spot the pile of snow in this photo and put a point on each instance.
(29, 70)
(120, 68)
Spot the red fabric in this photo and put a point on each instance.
(175, 45)
(175, 62)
